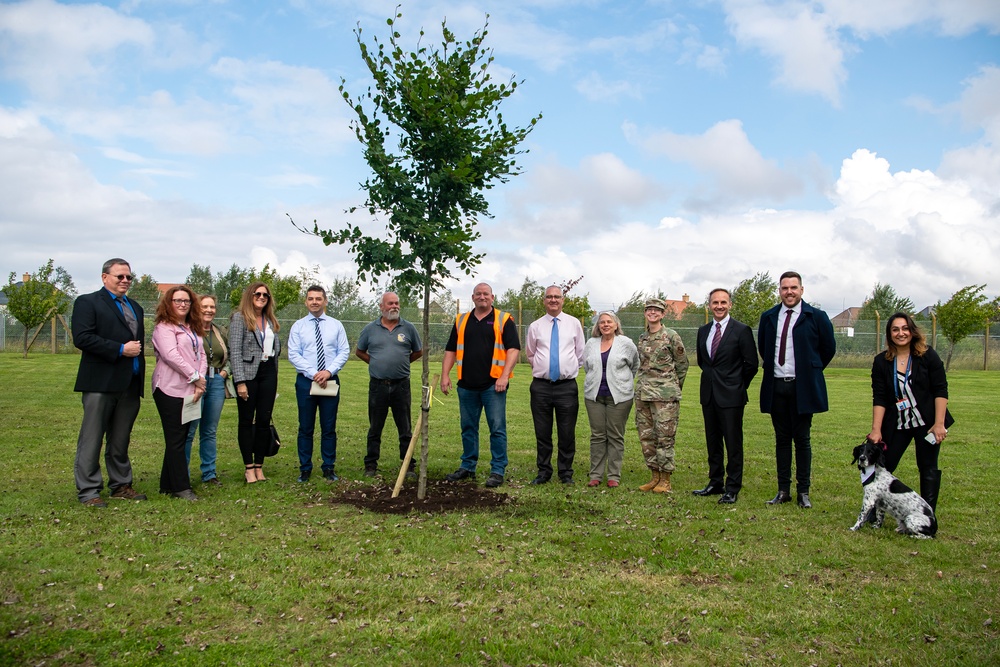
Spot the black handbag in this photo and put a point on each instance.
(273, 443)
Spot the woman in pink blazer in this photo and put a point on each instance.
(180, 372)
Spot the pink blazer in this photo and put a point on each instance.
(179, 353)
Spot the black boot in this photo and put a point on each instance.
(930, 484)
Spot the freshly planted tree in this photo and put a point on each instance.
(49, 292)
(435, 141)
(967, 311)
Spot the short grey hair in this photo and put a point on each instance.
(114, 260)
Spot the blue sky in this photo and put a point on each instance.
(683, 145)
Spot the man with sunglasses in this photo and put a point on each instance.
(108, 329)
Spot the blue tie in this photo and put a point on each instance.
(320, 357)
(554, 351)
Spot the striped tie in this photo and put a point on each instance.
(320, 357)
(716, 339)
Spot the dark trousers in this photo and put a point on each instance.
(724, 438)
(254, 418)
(111, 415)
(898, 441)
(561, 399)
(308, 407)
(174, 473)
(790, 426)
(385, 395)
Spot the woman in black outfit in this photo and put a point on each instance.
(910, 402)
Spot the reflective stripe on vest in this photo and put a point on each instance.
(499, 353)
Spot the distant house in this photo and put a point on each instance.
(845, 320)
(677, 307)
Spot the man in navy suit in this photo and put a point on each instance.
(728, 361)
(108, 329)
(796, 343)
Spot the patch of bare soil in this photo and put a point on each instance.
(441, 497)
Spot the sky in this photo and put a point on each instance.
(682, 146)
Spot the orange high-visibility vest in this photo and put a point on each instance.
(499, 353)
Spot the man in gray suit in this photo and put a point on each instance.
(108, 329)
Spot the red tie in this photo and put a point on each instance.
(784, 335)
(716, 339)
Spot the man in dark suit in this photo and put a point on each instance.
(728, 361)
(108, 329)
(796, 343)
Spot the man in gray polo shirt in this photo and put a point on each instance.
(388, 345)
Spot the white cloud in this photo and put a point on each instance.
(596, 89)
(60, 51)
(724, 152)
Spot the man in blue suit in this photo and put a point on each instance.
(796, 343)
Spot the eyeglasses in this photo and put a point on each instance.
(182, 302)
(261, 295)
(125, 277)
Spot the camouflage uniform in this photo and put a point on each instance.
(663, 365)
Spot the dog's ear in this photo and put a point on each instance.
(857, 453)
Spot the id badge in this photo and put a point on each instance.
(211, 372)
(902, 404)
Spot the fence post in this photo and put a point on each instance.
(878, 327)
(934, 329)
(53, 337)
(986, 346)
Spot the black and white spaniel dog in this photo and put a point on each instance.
(884, 493)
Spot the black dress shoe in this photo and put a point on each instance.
(710, 490)
(566, 480)
(804, 503)
(541, 479)
(780, 499)
(728, 498)
(494, 480)
(459, 475)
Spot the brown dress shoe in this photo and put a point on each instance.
(126, 492)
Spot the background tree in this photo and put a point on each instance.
(145, 290)
(885, 300)
(231, 283)
(435, 141)
(528, 297)
(347, 304)
(576, 305)
(200, 279)
(48, 292)
(752, 297)
(285, 290)
(967, 311)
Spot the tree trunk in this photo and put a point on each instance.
(947, 363)
(425, 389)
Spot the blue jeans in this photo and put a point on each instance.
(211, 411)
(471, 405)
(308, 406)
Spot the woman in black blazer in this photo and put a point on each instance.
(910, 401)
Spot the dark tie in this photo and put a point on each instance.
(716, 339)
(784, 335)
(320, 357)
(554, 351)
(133, 326)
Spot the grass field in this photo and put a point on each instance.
(274, 573)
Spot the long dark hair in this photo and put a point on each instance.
(918, 344)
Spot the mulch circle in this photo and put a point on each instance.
(442, 496)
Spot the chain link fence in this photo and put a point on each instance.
(855, 345)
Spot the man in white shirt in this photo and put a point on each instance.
(318, 348)
(554, 346)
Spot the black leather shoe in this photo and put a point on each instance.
(495, 479)
(728, 498)
(459, 475)
(330, 476)
(710, 490)
(304, 476)
(780, 499)
(541, 479)
(566, 480)
(804, 503)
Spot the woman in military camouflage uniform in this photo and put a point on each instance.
(663, 365)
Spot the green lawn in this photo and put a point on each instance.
(274, 573)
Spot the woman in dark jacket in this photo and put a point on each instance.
(910, 401)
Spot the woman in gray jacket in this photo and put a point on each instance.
(610, 360)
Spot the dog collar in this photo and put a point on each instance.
(867, 475)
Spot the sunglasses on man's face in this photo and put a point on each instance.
(125, 277)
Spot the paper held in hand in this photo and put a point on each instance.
(191, 409)
(332, 388)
